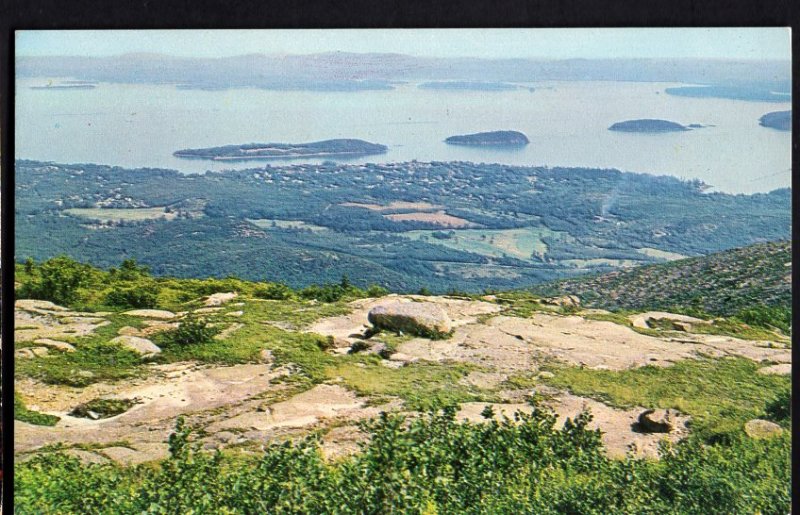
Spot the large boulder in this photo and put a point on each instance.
(657, 421)
(141, 346)
(758, 428)
(419, 318)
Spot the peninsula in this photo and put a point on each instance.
(327, 148)
(648, 125)
(487, 139)
(780, 120)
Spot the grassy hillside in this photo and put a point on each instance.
(724, 283)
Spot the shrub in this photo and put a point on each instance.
(141, 297)
(767, 317)
(103, 408)
(324, 293)
(780, 408)
(273, 291)
(191, 331)
(57, 280)
(426, 464)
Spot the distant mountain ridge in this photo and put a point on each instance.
(350, 71)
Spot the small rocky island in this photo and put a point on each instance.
(327, 148)
(780, 120)
(649, 125)
(490, 139)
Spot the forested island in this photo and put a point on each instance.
(493, 139)
(327, 148)
(648, 125)
(780, 120)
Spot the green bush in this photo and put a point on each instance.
(103, 408)
(22, 413)
(428, 464)
(324, 293)
(190, 331)
(140, 297)
(56, 280)
(768, 317)
(273, 291)
(780, 408)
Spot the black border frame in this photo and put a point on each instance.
(253, 14)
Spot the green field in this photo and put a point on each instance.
(518, 243)
(267, 223)
(120, 214)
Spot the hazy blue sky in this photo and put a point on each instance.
(736, 43)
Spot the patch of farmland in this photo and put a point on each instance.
(119, 214)
(268, 223)
(397, 205)
(520, 243)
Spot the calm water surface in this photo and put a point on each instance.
(142, 125)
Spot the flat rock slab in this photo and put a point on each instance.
(141, 346)
(31, 304)
(217, 299)
(169, 391)
(303, 410)
(151, 313)
(30, 326)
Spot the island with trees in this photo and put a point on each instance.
(780, 120)
(490, 139)
(648, 125)
(327, 148)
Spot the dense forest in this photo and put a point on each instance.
(405, 226)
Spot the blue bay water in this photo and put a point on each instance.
(134, 126)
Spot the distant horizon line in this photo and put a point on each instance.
(399, 54)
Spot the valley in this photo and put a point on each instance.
(441, 226)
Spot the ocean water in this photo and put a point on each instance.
(141, 125)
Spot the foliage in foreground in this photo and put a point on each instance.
(431, 464)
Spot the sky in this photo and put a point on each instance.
(711, 43)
